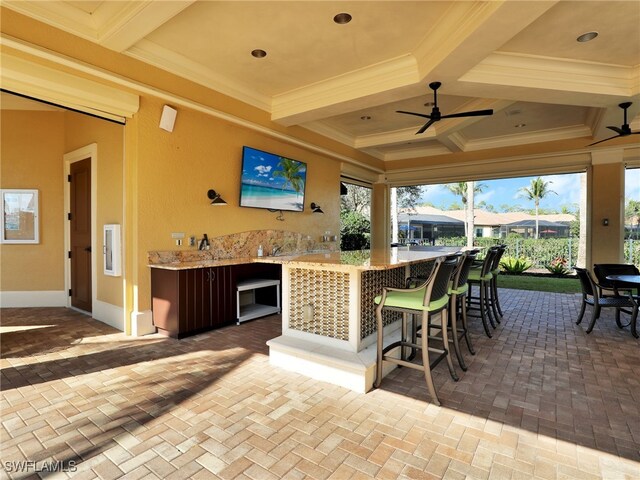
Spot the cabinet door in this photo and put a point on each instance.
(196, 296)
(222, 296)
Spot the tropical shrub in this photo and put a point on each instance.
(354, 231)
(558, 266)
(515, 265)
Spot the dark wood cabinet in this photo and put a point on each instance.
(186, 302)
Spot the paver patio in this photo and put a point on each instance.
(541, 399)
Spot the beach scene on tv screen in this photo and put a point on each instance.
(271, 181)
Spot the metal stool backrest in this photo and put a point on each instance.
(602, 270)
(461, 275)
(586, 282)
(443, 277)
(487, 264)
(500, 249)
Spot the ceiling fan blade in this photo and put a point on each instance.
(606, 139)
(619, 131)
(425, 126)
(423, 115)
(475, 113)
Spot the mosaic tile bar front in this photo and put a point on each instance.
(319, 302)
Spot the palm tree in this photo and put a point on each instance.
(536, 192)
(291, 173)
(466, 193)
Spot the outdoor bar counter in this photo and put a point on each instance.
(328, 315)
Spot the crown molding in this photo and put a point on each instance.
(168, 60)
(393, 138)
(38, 81)
(122, 27)
(300, 105)
(549, 135)
(420, 151)
(60, 15)
(531, 71)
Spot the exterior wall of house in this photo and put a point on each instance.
(32, 150)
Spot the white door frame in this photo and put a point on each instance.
(89, 151)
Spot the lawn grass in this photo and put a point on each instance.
(540, 283)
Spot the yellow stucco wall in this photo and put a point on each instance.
(81, 130)
(175, 171)
(31, 157)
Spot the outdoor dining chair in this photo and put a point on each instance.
(591, 296)
(423, 301)
(603, 270)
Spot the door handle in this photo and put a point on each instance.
(87, 249)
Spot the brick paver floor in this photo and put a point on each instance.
(541, 399)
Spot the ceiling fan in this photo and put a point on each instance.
(435, 111)
(621, 131)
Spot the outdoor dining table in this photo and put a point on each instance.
(628, 281)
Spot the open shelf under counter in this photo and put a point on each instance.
(250, 298)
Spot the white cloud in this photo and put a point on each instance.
(263, 169)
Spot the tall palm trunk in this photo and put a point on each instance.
(537, 226)
(469, 224)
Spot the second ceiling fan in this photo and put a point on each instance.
(435, 114)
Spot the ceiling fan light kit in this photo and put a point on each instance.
(436, 115)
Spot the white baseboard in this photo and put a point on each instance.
(142, 323)
(46, 298)
(108, 313)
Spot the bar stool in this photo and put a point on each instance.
(425, 300)
(482, 278)
(495, 271)
(458, 305)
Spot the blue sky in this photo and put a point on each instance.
(506, 191)
(258, 168)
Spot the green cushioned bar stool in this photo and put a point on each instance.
(493, 286)
(424, 300)
(481, 303)
(458, 305)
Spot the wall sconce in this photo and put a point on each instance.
(216, 199)
(315, 208)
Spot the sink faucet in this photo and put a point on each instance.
(275, 249)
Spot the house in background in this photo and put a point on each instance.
(425, 224)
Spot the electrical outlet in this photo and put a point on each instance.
(192, 241)
(179, 242)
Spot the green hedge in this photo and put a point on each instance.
(542, 251)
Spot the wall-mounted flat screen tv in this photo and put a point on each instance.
(271, 181)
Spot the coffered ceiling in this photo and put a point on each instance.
(346, 81)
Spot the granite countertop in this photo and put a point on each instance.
(381, 259)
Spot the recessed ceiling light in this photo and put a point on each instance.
(586, 37)
(258, 53)
(520, 125)
(365, 117)
(342, 18)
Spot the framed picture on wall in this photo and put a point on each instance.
(20, 216)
